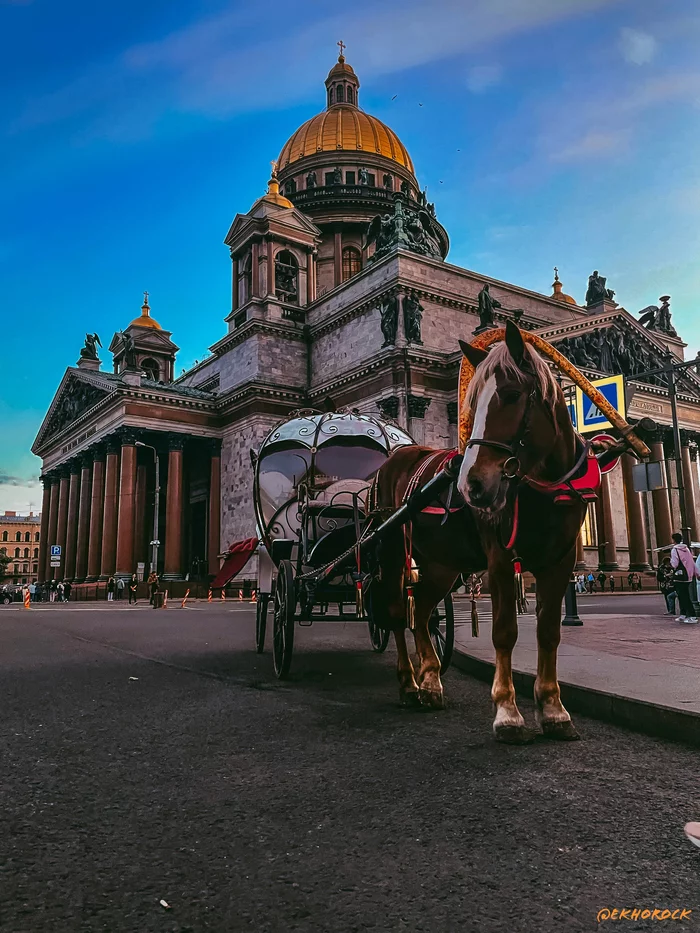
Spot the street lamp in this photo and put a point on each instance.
(155, 542)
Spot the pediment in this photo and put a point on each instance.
(78, 393)
(615, 342)
(145, 338)
(264, 214)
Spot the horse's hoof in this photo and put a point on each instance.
(513, 735)
(432, 699)
(409, 699)
(562, 731)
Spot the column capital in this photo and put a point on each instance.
(176, 441)
(129, 436)
(686, 437)
(214, 446)
(452, 412)
(389, 407)
(112, 444)
(85, 460)
(74, 465)
(418, 405)
(97, 452)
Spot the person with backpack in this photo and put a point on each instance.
(120, 587)
(683, 576)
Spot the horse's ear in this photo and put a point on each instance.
(515, 342)
(473, 354)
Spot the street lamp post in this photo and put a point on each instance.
(155, 542)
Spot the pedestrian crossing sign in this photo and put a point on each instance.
(588, 415)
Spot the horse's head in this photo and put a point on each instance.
(512, 397)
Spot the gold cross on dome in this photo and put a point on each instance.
(274, 167)
(342, 46)
(556, 274)
(145, 298)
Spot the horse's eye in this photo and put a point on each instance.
(510, 396)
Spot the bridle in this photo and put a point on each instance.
(511, 466)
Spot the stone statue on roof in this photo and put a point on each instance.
(596, 291)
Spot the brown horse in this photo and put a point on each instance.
(522, 435)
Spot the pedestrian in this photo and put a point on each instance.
(683, 576)
(612, 583)
(602, 577)
(152, 586)
(664, 577)
(53, 590)
(60, 590)
(120, 588)
(590, 582)
(67, 587)
(133, 584)
(110, 589)
(639, 580)
(580, 583)
(32, 592)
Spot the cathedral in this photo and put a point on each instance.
(342, 296)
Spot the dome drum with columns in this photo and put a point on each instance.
(341, 297)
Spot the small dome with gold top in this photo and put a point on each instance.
(145, 319)
(558, 294)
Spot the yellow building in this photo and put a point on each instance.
(20, 537)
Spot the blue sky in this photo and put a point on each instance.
(551, 132)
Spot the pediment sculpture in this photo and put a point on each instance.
(76, 399)
(404, 229)
(611, 350)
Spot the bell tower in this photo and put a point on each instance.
(153, 351)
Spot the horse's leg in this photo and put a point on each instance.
(551, 586)
(428, 593)
(391, 588)
(508, 725)
(408, 688)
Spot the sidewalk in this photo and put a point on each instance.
(642, 672)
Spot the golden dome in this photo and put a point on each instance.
(345, 128)
(273, 195)
(558, 294)
(145, 319)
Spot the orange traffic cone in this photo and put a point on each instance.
(185, 599)
(209, 596)
(27, 599)
(254, 597)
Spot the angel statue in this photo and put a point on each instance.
(129, 351)
(380, 232)
(89, 351)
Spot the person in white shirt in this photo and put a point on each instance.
(683, 576)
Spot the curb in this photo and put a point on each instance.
(664, 722)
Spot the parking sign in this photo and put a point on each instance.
(55, 550)
(589, 416)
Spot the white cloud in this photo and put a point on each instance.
(204, 68)
(482, 77)
(593, 145)
(638, 48)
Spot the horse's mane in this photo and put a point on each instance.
(500, 358)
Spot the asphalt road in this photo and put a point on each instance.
(152, 755)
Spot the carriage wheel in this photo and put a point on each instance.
(285, 612)
(442, 632)
(378, 636)
(261, 622)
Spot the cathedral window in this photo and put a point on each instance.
(36, 553)
(247, 277)
(18, 536)
(35, 568)
(36, 536)
(339, 94)
(330, 97)
(27, 536)
(4, 536)
(352, 262)
(349, 178)
(349, 98)
(26, 553)
(371, 180)
(290, 187)
(329, 178)
(16, 552)
(287, 277)
(151, 368)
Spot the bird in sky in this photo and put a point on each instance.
(420, 105)
(395, 96)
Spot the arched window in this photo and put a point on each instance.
(35, 568)
(287, 277)
(339, 94)
(290, 187)
(25, 569)
(36, 536)
(26, 552)
(352, 262)
(330, 97)
(18, 536)
(36, 553)
(4, 536)
(27, 536)
(151, 368)
(349, 95)
(16, 552)
(247, 278)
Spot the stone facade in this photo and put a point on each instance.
(305, 329)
